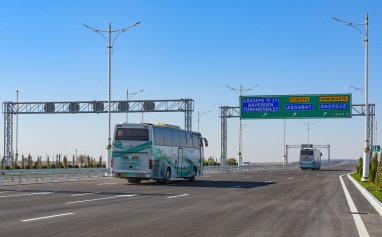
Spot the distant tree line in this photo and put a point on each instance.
(213, 162)
(59, 161)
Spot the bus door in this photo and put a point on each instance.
(179, 163)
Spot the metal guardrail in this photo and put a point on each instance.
(245, 168)
(258, 167)
(50, 175)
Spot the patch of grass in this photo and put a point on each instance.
(371, 187)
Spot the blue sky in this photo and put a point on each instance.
(188, 49)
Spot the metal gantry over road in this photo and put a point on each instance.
(85, 107)
(234, 112)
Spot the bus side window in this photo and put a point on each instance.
(196, 141)
(167, 137)
(175, 138)
(158, 136)
(182, 139)
(189, 140)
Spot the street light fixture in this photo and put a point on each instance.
(360, 90)
(129, 96)
(241, 91)
(110, 42)
(366, 150)
(201, 114)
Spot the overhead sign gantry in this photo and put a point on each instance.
(82, 107)
(334, 111)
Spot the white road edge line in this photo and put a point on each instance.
(182, 195)
(97, 199)
(362, 231)
(46, 217)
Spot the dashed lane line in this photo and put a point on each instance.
(181, 195)
(25, 194)
(81, 194)
(105, 198)
(106, 183)
(46, 217)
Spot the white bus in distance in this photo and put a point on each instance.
(156, 151)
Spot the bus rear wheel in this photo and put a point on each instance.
(134, 181)
(168, 176)
(192, 178)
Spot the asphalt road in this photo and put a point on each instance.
(285, 202)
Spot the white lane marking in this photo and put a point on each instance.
(81, 194)
(269, 181)
(269, 175)
(106, 183)
(46, 217)
(26, 194)
(97, 199)
(291, 178)
(6, 191)
(362, 231)
(248, 177)
(217, 180)
(206, 176)
(182, 195)
(306, 175)
(237, 186)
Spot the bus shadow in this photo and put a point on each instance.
(212, 184)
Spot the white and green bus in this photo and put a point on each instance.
(156, 151)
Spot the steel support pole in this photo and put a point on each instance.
(366, 151)
(223, 117)
(8, 132)
(188, 115)
(109, 48)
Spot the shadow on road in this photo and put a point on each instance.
(211, 184)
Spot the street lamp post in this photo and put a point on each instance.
(308, 125)
(241, 91)
(127, 101)
(201, 114)
(110, 42)
(366, 150)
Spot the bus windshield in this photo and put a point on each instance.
(306, 152)
(132, 134)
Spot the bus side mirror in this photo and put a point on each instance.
(205, 142)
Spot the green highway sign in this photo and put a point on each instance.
(295, 106)
(376, 148)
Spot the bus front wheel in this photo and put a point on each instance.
(168, 176)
